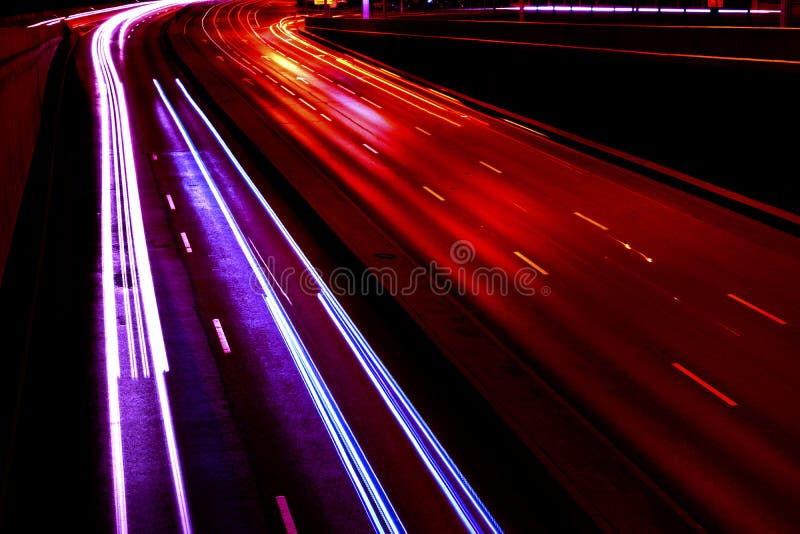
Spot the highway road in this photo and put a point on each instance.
(192, 257)
(668, 322)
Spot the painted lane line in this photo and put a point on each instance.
(273, 80)
(293, 60)
(346, 89)
(309, 69)
(706, 385)
(287, 90)
(530, 262)
(591, 221)
(186, 243)
(520, 207)
(423, 131)
(325, 78)
(170, 202)
(368, 101)
(365, 145)
(286, 514)
(432, 192)
(307, 104)
(765, 313)
(223, 340)
(326, 117)
(495, 169)
(249, 82)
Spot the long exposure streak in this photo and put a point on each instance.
(373, 497)
(462, 497)
(118, 168)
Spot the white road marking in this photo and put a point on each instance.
(307, 104)
(495, 169)
(223, 341)
(367, 100)
(590, 221)
(186, 243)
(530, 262)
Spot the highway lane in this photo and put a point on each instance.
(670, 320)
(280, 346)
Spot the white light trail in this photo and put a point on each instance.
(118, 173)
